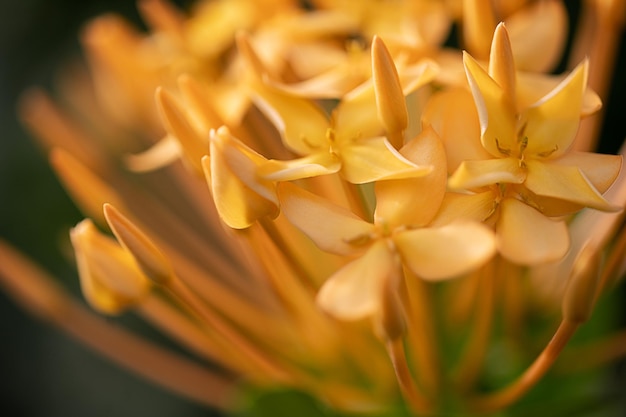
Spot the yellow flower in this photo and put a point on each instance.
(397, 237)
(535, 173)
(350, 142)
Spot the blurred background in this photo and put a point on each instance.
(42, 372)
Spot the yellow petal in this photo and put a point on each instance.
(238, 204)
(243, 162)
(495, 109)
(417, 75)
(478, 23)
(501, 63)
(356, 290)
(334, 229)
(527, 237)
(532, 87)
(177, 125)
(472, 174)
(453, 115)
(389, 95)
(375, 159)
(356, 115)
(468, 207)
(564, 182)
(319, 163)
(439, 253)
(302, 125)
(553, 121)
(601, 170)
(414, 201)
(161, 154)
(109, 277)
(538, 34)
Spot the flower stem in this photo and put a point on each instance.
(411, 392)
(532, 375)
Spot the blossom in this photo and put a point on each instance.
(531, 159)
(395, 238)
(302, 206)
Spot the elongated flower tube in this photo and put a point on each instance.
(334, 208)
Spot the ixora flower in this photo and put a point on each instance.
(302, 209)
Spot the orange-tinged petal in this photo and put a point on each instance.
(244, 162)
(453, 115)
(375, 159)
(478, 23)
(161, 154)
(319, 163)
(471, 207)
(417, 75)
(531, 87)
(109, 277)
(538, 34)
(495, 109)
(150, 259)
(333, 228)
(355, 291)
(414, 201)
(601, 170)
(194, 147)
(564, 182)
(303, 126)
(527, 237)
(439, 253)
(389, 95)
(501, 63)
(238, 204)
(356, 115)
(472, 174)
(552, 122)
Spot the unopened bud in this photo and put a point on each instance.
(390, 99)
(110, 279)
(149, 258)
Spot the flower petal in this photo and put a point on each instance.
(333, 228)
(538, 34)
(468, 207)
(414, 201)
(310, 166)
(439, 253)
(564, 182)
(453, 115)
(375, 159)
(241, 198)
(302, 125)
(472, 174)
(495, 109)
(601, 170)
(110, 279)
(527, 237)
(356, 115)
(553, 121)
(355, 291)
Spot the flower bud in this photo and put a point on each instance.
(149, 258)
(110, 279)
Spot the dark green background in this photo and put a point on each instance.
(42, 372)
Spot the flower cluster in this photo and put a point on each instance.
(324, 197)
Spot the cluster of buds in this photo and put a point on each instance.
(324, 197)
